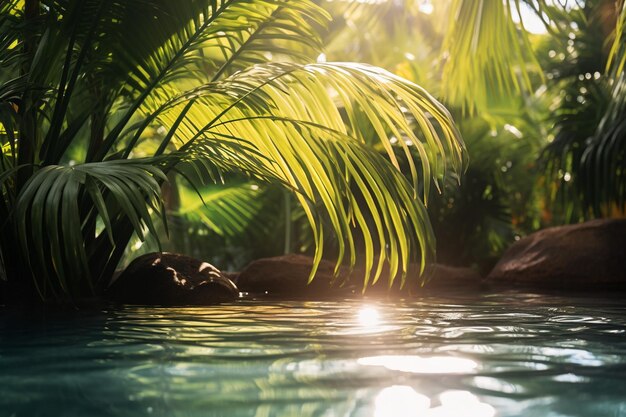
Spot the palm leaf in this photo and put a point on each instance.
(604, 158)
(585, 157)
(49, 204)
(486, 53)
(232, 33)
(617, 55)
(227, 209)
(295, 120)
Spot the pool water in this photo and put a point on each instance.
(507, 354)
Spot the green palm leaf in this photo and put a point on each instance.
(227, 209)
(228, 36)
(486, 53)
(617, 56)
(304, 119)
(50, 205)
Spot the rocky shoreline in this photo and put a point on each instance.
(587, 257)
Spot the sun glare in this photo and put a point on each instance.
(420, 365)
(369, 317)
(400, 401)
(404, 401)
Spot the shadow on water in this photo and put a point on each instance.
(502, 354)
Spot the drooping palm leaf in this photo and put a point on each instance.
(49, 205)
(294, 120)
(226, 36)
(487, 53)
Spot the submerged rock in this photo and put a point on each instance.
(287, 276)
(590, 255)
(172, 279)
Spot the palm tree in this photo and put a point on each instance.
(102, 100)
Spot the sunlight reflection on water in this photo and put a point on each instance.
(505, 355)
(404, 401)
(419, 365)
(400, 401)
(369, 316)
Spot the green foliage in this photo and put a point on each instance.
(488, 54)
(495, 202)
(584, 159)
(562, 91)
(104, 104)
(114, 97)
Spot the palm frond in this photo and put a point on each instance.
(332, 98)
(227, 209)
(487, 53)
(617, 55)
(228, 35)
(101, 73)
(304, 119)
(584, 158)
(50, 205)
(603, 162)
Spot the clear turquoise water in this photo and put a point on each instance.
(473, 356)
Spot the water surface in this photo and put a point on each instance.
(456, 356)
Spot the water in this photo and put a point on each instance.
(475, 356)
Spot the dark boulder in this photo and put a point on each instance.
(589, 255)
(171, 279)
(287, 276)
(447, 277)
(436, 277)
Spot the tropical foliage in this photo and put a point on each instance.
(102, 100)
(523, 173)
(585, 158)
(532, 107)
(226, 118)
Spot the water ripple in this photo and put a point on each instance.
(498, 354)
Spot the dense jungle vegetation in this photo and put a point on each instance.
(234, 129)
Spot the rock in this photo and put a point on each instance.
(233, 276)
(436, 277)
(589, 255)
(171, 279)
(446, 277)
(287, 276)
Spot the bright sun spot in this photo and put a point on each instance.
(460, 403)
(368, 316)
(426, 7)
(419, 365)
(400, 401)
(404, 401)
